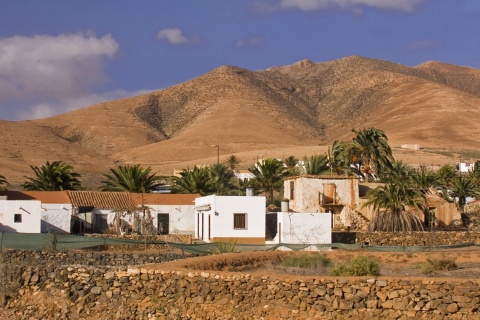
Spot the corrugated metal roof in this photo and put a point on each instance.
(163, 199)
(102, 200)
(57, 197)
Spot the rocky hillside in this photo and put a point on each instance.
(288, 110)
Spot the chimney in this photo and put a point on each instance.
(249, 192)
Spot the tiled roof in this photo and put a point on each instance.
(57, 197)
(325, 176)
(102, 200)
(163, 199)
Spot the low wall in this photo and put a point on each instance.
(177, 291)
(426, 238)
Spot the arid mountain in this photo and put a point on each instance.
(298, 110)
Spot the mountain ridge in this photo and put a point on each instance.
(302, 107)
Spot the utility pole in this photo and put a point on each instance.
(218, 152)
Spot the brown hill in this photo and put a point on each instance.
(290, 110)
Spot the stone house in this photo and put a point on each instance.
(338, 195)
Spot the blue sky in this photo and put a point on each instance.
(58, 56)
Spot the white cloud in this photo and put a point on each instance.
(255, 41)
(52, 67)
(316, 5)
(175, 36)
(52, 108)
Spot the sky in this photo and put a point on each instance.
(57, 56)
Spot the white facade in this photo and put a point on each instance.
(21, 216)
(338, 195)
(56, 218)
(465, 167)
(224, 218)
(303, 228)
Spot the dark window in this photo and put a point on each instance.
(292, 190)
(239, 221)
(163, 223)
(17, 218)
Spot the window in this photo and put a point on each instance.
(239, 221)
(17, 218)
(292, 190)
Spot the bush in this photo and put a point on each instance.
(359, 266)
(305, 261)
(433, 265)
(224, 247)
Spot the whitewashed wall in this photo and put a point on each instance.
(29, 211)
(56, 218)
(221, 217)
(181, 217)
(304, 228)
(306, 196)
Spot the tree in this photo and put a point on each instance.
(398, 172)
(223, 180)
(446, 175)
(55, 176)
(316, 164)
(131, 179)
(269, 175)
(424, 179)
(3, 181)
(338, 157)
(194, 181)
(463, 187)
(291, 163)
(232, 162)
(372, 151)
(391, 203)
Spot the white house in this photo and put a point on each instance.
(299, 227)
(465, 166)
(21, 216)
(230, 218)
(170, 213)
(133, 212)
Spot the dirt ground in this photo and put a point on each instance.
(392, 264)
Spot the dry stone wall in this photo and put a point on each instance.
(173, 292)
(434, 238)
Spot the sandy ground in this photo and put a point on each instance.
(392, 264)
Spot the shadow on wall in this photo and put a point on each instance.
(48, 227)
(6, 228)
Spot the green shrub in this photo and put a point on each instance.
(433, 265)
(359, 266)
(305, 261)
(224, 247)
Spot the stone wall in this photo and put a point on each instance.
(177, 291)
(169, 238)
(426, 238)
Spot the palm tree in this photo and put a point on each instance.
(194, 181)
(390, 203)
(269, 175)
(232, 162)
(398, 172)
(446, 175)
(291, 163)
(2, 182)
(338, 157)
(223, 180)
(463, 187)
(316, 164)
(371, 148)
(131, 179)
(55, 176)
(424, 179)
